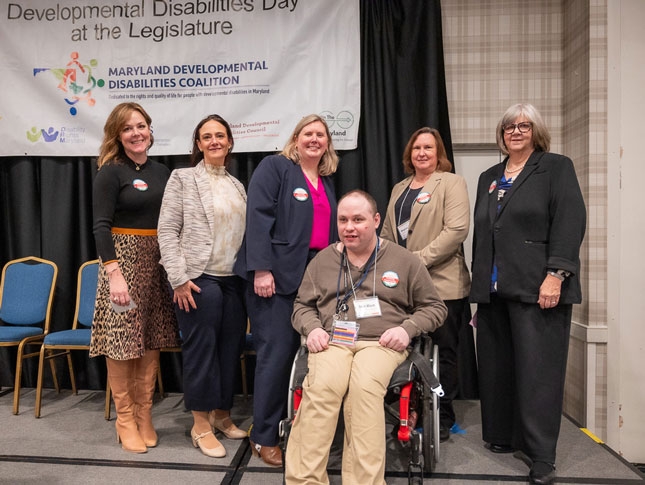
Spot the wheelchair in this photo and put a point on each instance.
(412, 399)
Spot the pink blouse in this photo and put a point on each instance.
(322, 214)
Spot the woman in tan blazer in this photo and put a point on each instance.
(429, 214)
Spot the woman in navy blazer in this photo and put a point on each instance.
(289, 219)
(529, 224)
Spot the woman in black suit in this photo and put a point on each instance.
(529, 224)
(291, 215)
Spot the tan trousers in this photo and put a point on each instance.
(360, 375)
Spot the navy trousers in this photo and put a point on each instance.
(276, 344)
(522, 353)
(212, 339)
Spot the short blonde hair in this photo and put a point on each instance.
(329, 161)
(540, 134)
(112, 149)
(443, 164)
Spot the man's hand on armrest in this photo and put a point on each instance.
(395, 338)
(317, 340)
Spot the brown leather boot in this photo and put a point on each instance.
(145, 378)
(121, 375)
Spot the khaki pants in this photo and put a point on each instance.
(360, 375)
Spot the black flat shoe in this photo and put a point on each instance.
(444, 434)
(495, 448)
(542, 473)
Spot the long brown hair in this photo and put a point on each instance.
(112, 149)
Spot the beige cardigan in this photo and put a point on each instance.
(437, 230)
(186, 223)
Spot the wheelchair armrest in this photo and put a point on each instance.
(403, 374)
(300, 366)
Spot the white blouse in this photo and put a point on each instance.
(229, 209)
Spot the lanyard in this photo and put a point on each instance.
(341, 304)
(398, 221)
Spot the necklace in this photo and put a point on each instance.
(515, 170)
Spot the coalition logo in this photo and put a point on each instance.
(76, 80)
(64, 134)
(342, 121)
(48, 136)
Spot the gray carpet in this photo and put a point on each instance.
(73, 443)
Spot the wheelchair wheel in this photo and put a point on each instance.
(435, 402)
(430, 440)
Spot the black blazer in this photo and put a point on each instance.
(278, 225)
(540, 226)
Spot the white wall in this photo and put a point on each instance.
(470, 164)
(626, 229)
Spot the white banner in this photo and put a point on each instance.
(261, 64)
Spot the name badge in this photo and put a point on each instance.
(344, 332)
(403, 229)
(367, 307)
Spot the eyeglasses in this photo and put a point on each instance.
(524, 127)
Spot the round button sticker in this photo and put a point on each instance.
(300, 194)
(423, 198)
(140, 185)
(492, 187)
(390, 279)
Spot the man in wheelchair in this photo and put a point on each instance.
(360, 303)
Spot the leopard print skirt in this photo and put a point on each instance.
(152, 324)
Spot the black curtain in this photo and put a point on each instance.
(46, 201)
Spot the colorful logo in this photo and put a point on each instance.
(140, 185)
(423, 198)
(300, 194)
(76, 80)
(390, 279)
(48, 136)
(492, 187)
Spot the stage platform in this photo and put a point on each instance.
(72, 443)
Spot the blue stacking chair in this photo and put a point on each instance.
(58, 344)
(26, 294)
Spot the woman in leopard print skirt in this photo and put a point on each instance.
(133, 316)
